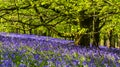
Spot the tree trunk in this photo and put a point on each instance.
(85, 40)
(111, 38)
(118, 43)
(96, 33)
(17, 30)
(105, 40)
(117, 40)
(24, 32)
(30, 31)
(35, 31)
(96, 39)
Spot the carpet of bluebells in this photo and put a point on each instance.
(22, 50)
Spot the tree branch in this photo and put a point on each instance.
(15, 8)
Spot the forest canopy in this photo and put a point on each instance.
(84, 21)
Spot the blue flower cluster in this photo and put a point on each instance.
(30, 40)
(22, 50)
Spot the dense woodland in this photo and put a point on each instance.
(86, 22)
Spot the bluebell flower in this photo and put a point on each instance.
(7, 63)
(92, 60)
(36, 56)
(105, 60)
(75, 62)
(13, 55)
(22, 65)
(117, 64)
(5, 55)
(91, 65)
(58, 63)
(84, 63)
(53, 59)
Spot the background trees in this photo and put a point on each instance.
(85, 21)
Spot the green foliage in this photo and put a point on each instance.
(55, 17)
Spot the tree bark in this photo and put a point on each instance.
(111, 38)
(105, 40)
(96, 33)
(85, 40)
